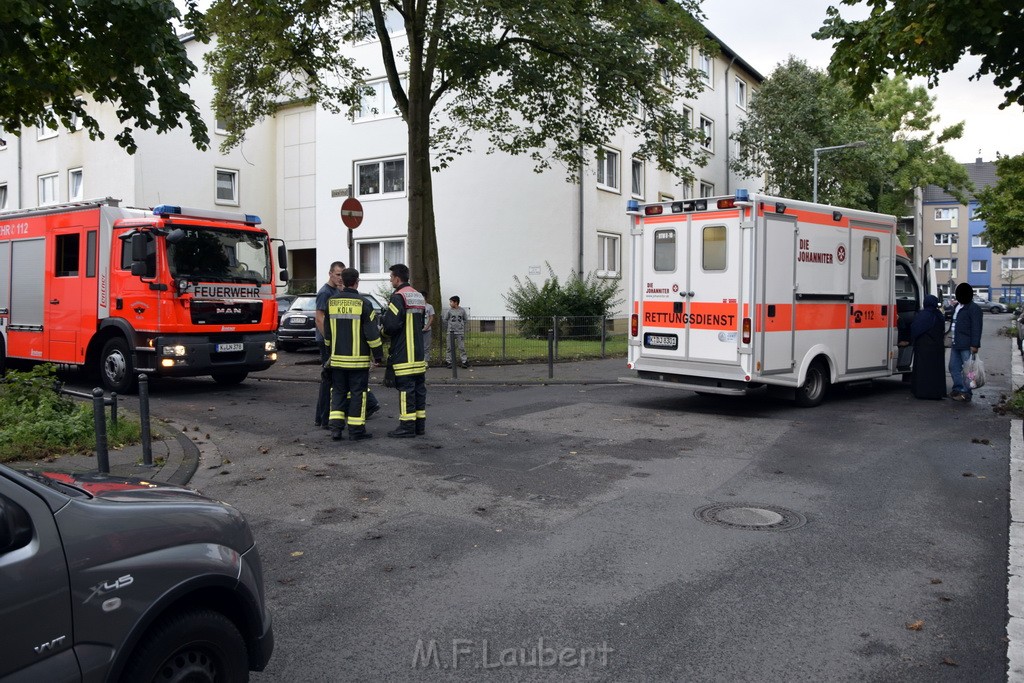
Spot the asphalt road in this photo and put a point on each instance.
(551, 531)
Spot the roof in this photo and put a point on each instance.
(981, 173)
(734, 57)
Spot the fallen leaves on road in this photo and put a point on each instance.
(916, 625)
(949, 661)
(297, 553)
(936, 581)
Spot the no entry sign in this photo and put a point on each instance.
(351, 213)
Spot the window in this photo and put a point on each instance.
(378, 102)
(66, 254)
(393, 21)
(662, 197)
(3, 196)
(608, 169)
(714, 248)
(638, 179)
(382, 178)
(3, 143)
(974, 212)
(638, 109)
(90, 253)
(688, 116)
(227, 186)
(979, 266)
(870, 250)
(75, 192)
(607, 255)
(946, 214)
(376, 257)
(665, 250)
(48, 189)
(741, 93)
(946, 238)
(706, 67)
(43, 130)
(707, 189)
(978, 241)
(945, 264)
(687, 186)
(220, 126)
(707, 133)
(1012, 263)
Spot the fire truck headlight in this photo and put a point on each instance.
(176, 350)
(167, 362)
(270, 346)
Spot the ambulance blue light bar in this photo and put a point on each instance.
(170, 209)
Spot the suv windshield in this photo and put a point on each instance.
(220, 256)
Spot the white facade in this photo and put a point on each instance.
(496, 218)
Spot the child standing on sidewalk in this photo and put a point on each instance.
(453, 322)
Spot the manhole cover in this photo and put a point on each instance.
(750, 517)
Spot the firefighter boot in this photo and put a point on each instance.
(337, 428)
(406, 430)
(358, 433)
(421, 426)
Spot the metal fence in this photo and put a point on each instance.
(502, 339)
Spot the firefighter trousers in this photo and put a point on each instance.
(412, 397)
(348, 398)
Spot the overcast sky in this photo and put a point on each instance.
(766, 32)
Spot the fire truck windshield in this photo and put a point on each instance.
(216, 255)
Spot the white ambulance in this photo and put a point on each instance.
(731, 294)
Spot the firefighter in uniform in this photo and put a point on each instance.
(403, 323)
(351, 334)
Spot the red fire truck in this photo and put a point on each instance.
(170, 291)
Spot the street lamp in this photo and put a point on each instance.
(859, 143)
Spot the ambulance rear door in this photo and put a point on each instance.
(713, 286)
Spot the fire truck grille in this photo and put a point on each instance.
(220, 313)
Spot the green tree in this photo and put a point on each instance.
(54, 52)
(1002, 206)
(928, 38)
(553, 79)
(799, 109)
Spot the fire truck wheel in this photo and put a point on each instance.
(229, 378)
(812, 392)
(116, 368)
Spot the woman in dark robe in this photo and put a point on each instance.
(926, 332)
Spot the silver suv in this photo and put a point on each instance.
(116, 579)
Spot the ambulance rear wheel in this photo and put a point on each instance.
(230, 378)
(812, 392)
(117, 371)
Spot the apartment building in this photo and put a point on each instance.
(952, 235)
(496, 218)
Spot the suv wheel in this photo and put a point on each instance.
(193, 646)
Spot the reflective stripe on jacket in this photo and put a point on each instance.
(403, 322)
(350, 331)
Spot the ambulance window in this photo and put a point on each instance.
(869, 258)
(67, 255)
(90, 253)
(665, 250)
(714, 248)
(126, 255)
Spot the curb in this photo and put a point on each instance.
(1015, 587)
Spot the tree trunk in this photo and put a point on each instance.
(422, 239)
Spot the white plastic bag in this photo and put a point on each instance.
(974, 372)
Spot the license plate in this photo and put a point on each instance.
(661, 341)
(233, 346)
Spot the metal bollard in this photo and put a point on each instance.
(100, 421)
(551, 354)
(604, 327)
(147, 441)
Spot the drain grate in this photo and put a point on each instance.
(750, 517)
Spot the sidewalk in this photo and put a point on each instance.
(176, 456)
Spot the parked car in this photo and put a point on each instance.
(991, 306)
(949, 305)
(298, 324)
(117, 579)
(284, 302)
